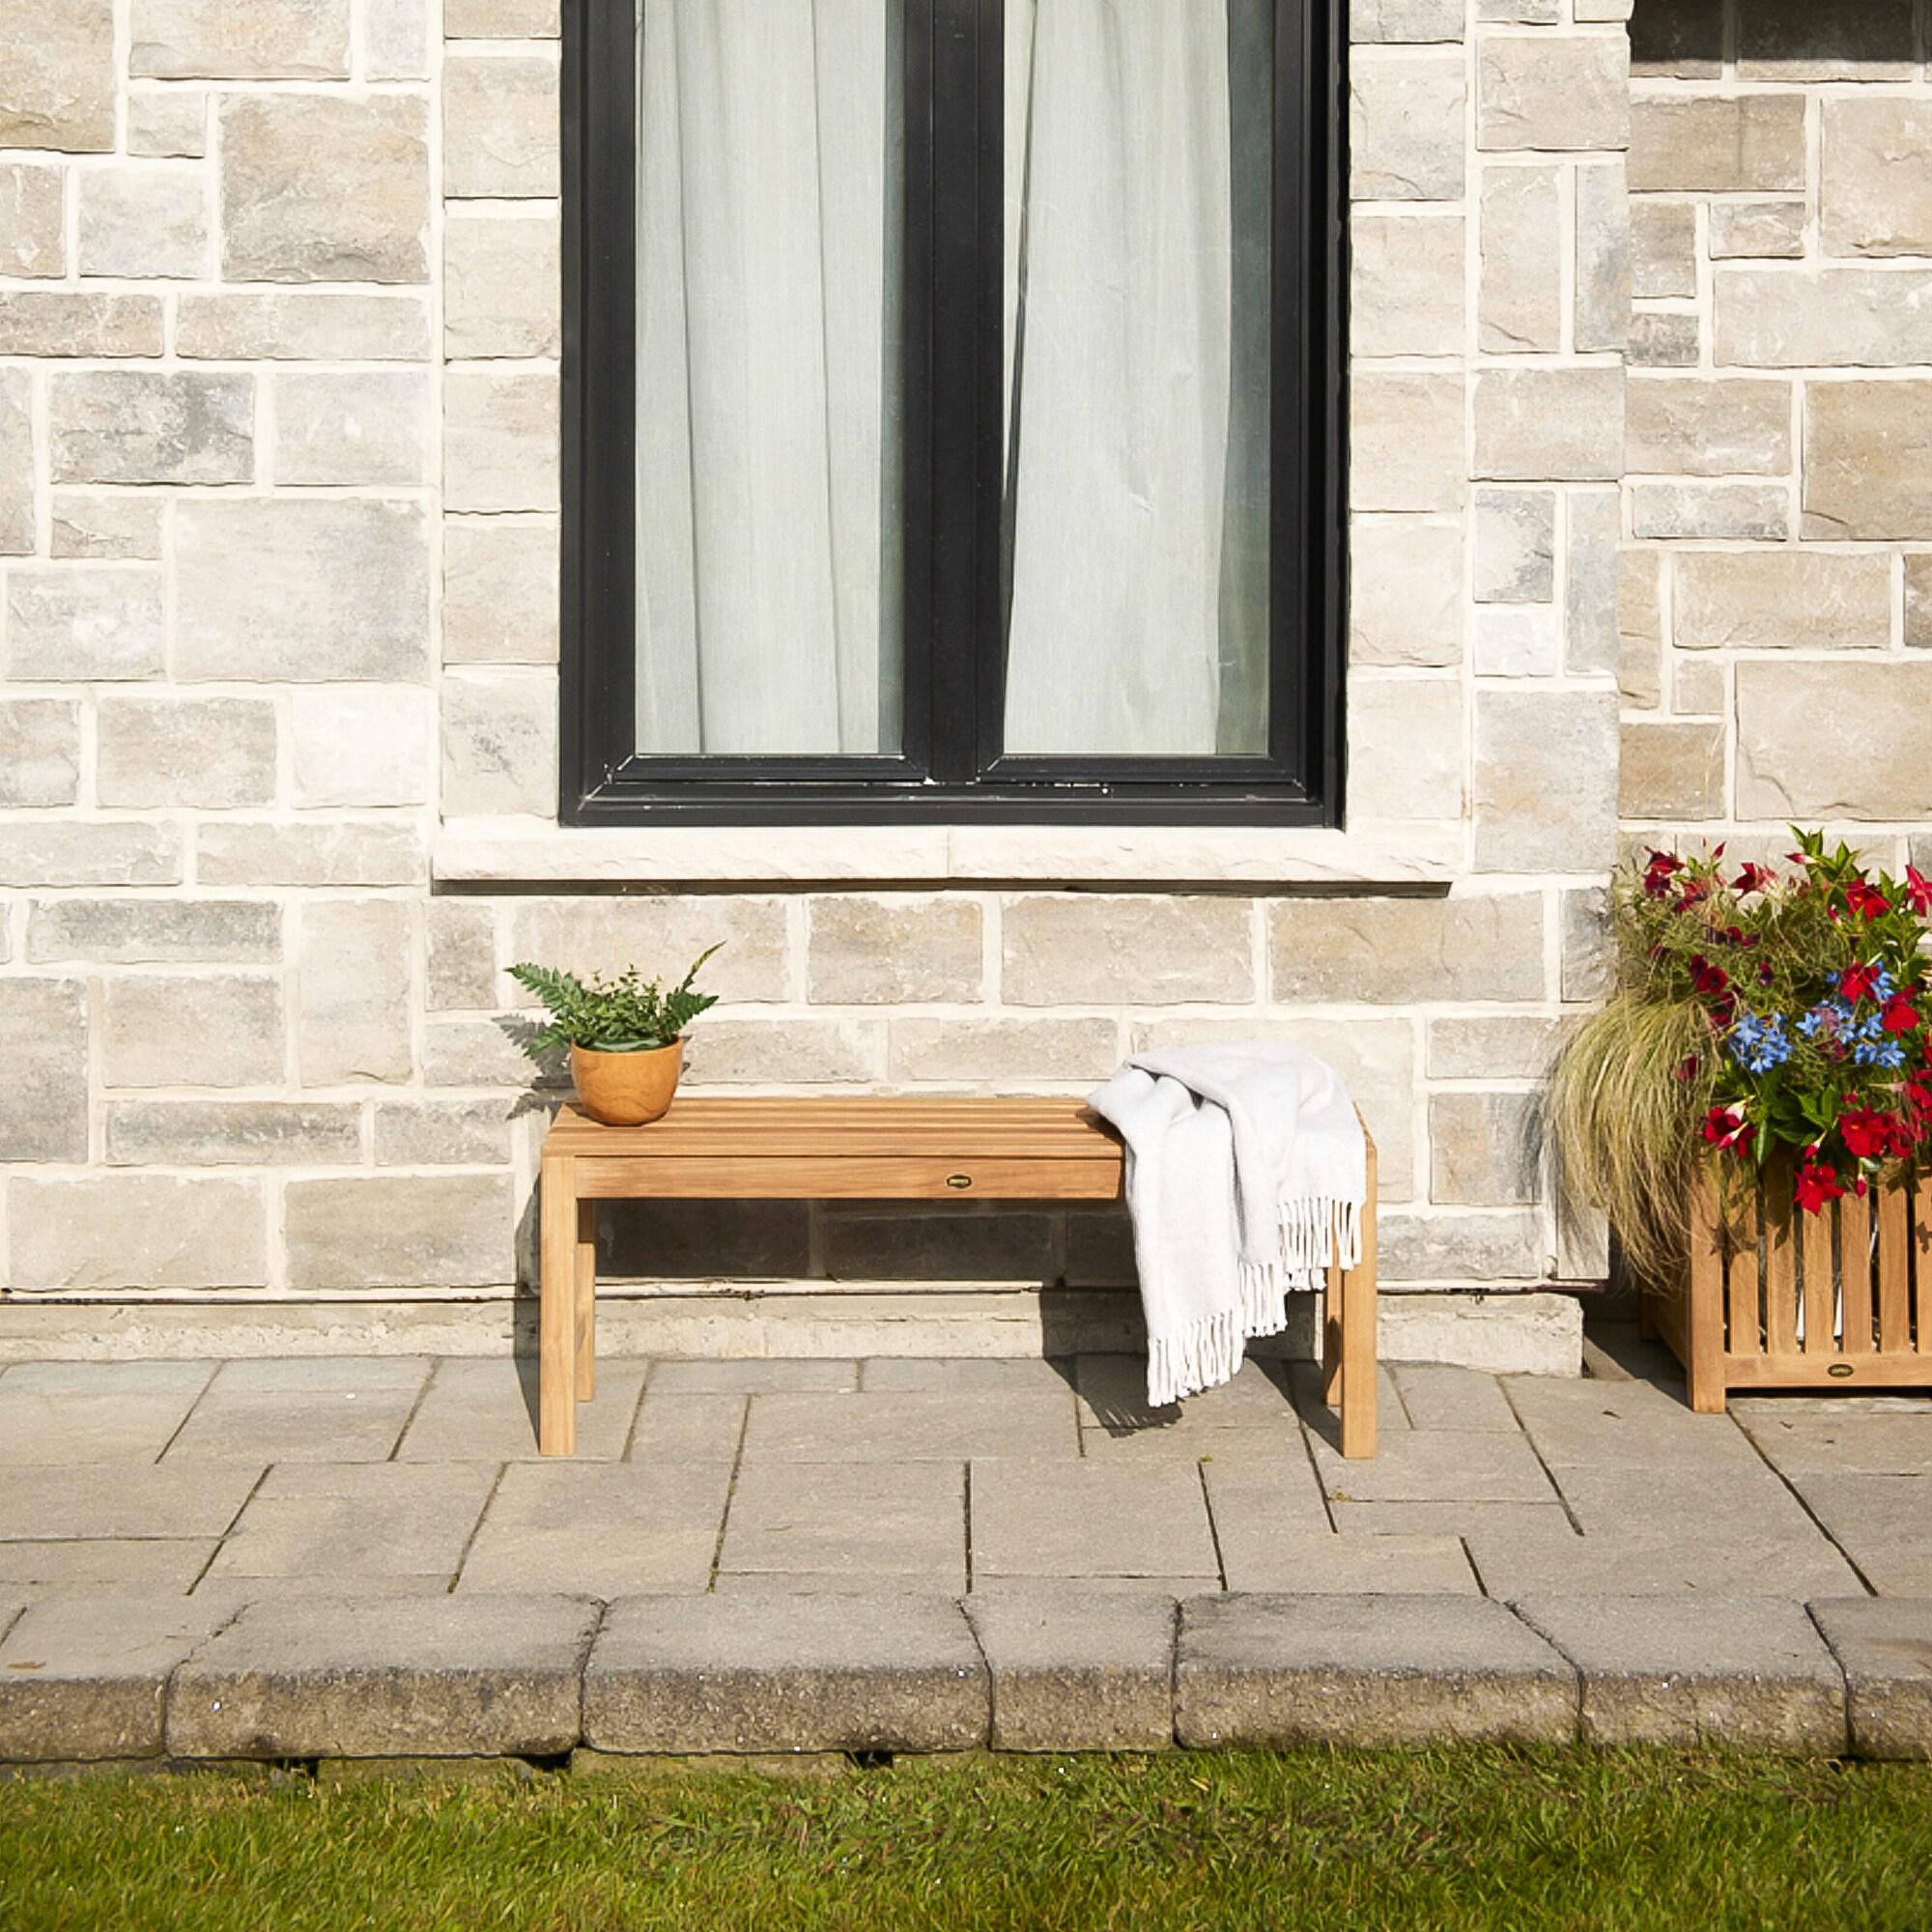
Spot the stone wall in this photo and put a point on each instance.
(1777, 590)
(279, 330)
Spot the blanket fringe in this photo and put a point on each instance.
(1315, 1234)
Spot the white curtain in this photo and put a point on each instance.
(767, 305)
(1135, 566)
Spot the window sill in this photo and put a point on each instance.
(523, 853)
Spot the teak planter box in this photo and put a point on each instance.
(1784, 1299)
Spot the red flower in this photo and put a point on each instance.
(1687, 1070)
(1900, 1015)
(1855, 981)
(1814, 1185)
(1918, 889)
(1693, 891)
(1727, 1129)
(1753, 878)
(1871, 1134)
(1657, 874)
(1862, 896)
(1706, 977)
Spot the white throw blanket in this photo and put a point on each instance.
(1242, 1160)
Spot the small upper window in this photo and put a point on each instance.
(950, 410)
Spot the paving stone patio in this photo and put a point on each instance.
(366, 1557)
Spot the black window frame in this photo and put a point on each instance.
(950, 770)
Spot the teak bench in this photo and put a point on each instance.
(864, 1147)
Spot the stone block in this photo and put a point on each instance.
(98, 625)
(1883, 1646)
(808, 1053)
(1002, 1051)
(396, 40)
(1076, 1669)
(1698, 689)
(1917, 600)
(1518, 643)
(1660, 340)
(58, 322)
(499, 592)
(500, 440)
(1395, 951)
(1771, 230)
(503, 284)
(1593, 537)
(303, 328)
(150, 426)
(84, 1678)
(1514, 1047)
(20, 519)
(1405, 20)
(361, 743)
(1777, 599)
(1088, 950)
(888, 951)
(411, 1676)
(1868, 460)
(1406, 440)
(317, 187)
(1673, 772)
(1716, 144)
(99, 852)
(1404, 592)
(1821, 318)
(428, 1231)
(1545, 780)
(210, 753)
(499, 744)
(1715, 512)
(354, 987)
(1553, 90)
(1601, 317)
(1406, 743)
(180, 1030)
(145, 1231)
(1515, 546)
(1640, 628)
(262, 852)
(44, 1103)
(353, 427)
(233, 1133)
(39, 752)
(502, 19)
(499, 126)
(1485, 1150)
(1520, 297)
(1406, 292)
(783, 1673)
(1696, 426)
(1406, 123)
(106, 526)
(443, 1133)
(335, 588)
(661, 937)
(167, 123)
(147, 218)
(241, 40)
(1458, 1247)
(1663, 247)
(903, 1526)
(1365, 1670)
(32, 220)
(1550, 425)
(1681, 41)
(61, 75)
(1740, 1673)
(1875, 178)
(1584, 926)
(1865, 39)
(459, 949)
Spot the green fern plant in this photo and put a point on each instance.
(627, 1014)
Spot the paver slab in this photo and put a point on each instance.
(759, 1377)
(770, 1673)
(1667, 1558)
(608, 1529)
(108, 1499)
(677, 1431)
(84, 1677)
(1112, 1397)
(1365, 1670)
(1883, 1523)
(1091, 1520)
(1320, 1561)
(1884, 1645)
(885, 1520)
(1450, 1519)
(388, 1677)
(1809, 1443)
(1435, 1465)
(485, 1411)
(1622, 1426)
(1438, 1394)
(1075, 1671)
(66, 1412)
(324, 1409)
(1749, 1673)
(919, 1425)
(1727, 1501)
(165, 1565)
(1256, 1499)
(900, 1373)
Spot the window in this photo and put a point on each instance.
(950, 410)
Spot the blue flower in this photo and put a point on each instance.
(1758, 1044)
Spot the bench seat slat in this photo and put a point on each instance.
(863, 1177)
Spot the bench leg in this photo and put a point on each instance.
(556, 1315)
(1331, 1338)
(1358, 1337)
(586, 1301)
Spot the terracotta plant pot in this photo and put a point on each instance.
(625, 1090)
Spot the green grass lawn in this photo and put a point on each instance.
(1464, 1839)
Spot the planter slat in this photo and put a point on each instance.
(1860, 1274)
